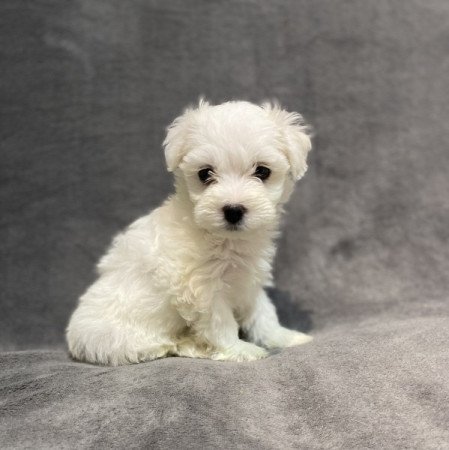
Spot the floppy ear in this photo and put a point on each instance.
(175, 145)
(175, 142)
(295, 135)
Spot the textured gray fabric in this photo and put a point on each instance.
(377, 385)
(86, 89)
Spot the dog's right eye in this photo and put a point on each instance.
(205, 175)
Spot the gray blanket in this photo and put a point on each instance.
(86, 89)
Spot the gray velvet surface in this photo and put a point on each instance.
(86, 89)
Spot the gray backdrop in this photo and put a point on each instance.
(86, 89)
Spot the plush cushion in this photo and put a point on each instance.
(377, 384)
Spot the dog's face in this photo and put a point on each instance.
(237, 162)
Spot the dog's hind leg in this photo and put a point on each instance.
(155, 351)
(99, 342)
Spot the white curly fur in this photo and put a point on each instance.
(179, 281)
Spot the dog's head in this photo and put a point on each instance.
(237, 162)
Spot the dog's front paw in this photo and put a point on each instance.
(242, 351)
(287, 338)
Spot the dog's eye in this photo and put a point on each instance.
(262, 172)
(205, 175)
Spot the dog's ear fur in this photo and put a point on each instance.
(296, 137)
(177, 132)
(175, 141)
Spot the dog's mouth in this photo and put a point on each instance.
(229, 230)
(231, 227)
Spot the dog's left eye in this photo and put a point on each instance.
(205, 175)
(262, 172)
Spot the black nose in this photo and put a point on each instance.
(233, 213)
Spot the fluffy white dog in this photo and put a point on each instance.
(183, 279)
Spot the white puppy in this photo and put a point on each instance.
(183, 279)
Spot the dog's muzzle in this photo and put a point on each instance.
(233, 214)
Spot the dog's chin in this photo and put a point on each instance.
(234, 228)
(235, 231)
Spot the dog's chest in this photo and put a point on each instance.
(235, 272)
(241, 267)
